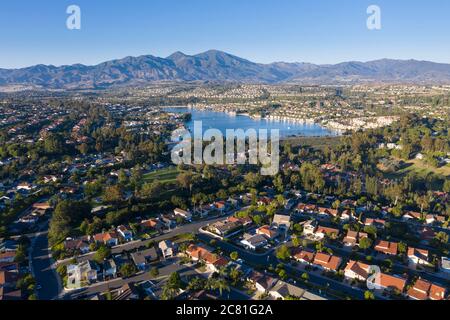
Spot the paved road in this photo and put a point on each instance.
(42, 262)
(188, 228)
(166, 268)
(42, 267)
(270, 259)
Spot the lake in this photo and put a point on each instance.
(224, 121)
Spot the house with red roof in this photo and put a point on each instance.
(425, 290)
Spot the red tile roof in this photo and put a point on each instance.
(327, 261)
(387, 247)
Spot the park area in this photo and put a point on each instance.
(167, 175)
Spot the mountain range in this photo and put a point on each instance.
(220, 66)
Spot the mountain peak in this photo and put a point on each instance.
(215, 65)
(177, 55)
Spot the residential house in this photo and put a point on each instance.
(426, 233)
(262, 282)
(378, 223)
(425, 290)
(213, 261)
(306, 208)
(187, 215)
(327, 262)
(8, 280)
(10, 295)
(417, 257)
(254, 242)
(8, 256)
(412, 215)
(25, 186)
(167, 249)
(264, 201)
(321, 232)
(80, 245)
(282, 290)
(226, 228)
(328, 213)
(353, 237)
(151, 224)
(220, 206)
(127, 292)
(430, 219)
(142, 258)
(109, 269)
(203, 210)
(281, 222)
(392, 283)
(386, 247)
(82, 273)
(29, 219)
(168, 221)
(107, 238)
(304, 256)
(445, 265)
(268, 232)
(357, 270)
(346, 215)
(310, 227)
(42, 206)
(125, 233)
(247, 221)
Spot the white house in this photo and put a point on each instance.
(445, 265)
(126, 234)
(166, 248)
(254, 242)
(183, 213)
(356, 270)
(417, 257)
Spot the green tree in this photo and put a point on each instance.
(196, 284)
(102, 253)
(365, 243)
(172, 287)
(234, 255)
(127, 270)
(283, 253)
(154, 272)
(368, 295)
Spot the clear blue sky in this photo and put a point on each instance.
(318, 31)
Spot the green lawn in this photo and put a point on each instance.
(167, 175)
(421, 168)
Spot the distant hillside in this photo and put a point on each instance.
(220, 66)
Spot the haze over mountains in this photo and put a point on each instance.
(215, 65)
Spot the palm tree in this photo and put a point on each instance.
(218, 284)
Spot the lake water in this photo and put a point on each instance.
(224, 121)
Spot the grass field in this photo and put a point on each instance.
(421, 168)
(168, 175)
